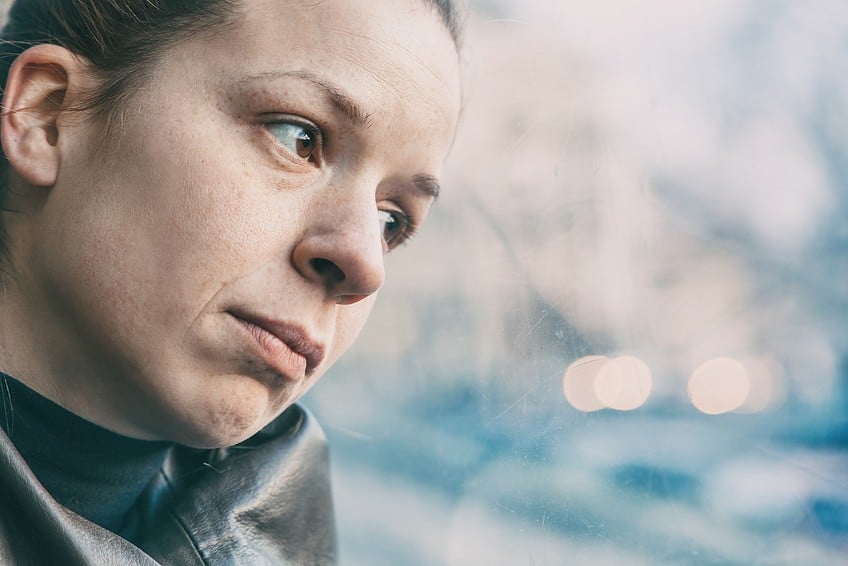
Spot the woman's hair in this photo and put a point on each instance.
(120, 40)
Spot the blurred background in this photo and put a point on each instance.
(621, 337)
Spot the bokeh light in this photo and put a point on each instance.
(767, 385)
(719, 386)
(624, 383)
(592, 383)
(578, 383)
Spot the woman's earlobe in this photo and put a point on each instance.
(35, 96)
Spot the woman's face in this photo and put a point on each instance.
(200, 270)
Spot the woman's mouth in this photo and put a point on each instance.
(284, 346)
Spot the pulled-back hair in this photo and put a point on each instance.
(121, 40)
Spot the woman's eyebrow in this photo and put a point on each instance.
(427, 184)
(340, 99)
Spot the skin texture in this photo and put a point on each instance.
(139, 255)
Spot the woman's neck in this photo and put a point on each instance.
(43, 352)
(25, 339)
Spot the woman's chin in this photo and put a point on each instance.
(229, 416)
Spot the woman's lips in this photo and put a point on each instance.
(286, 347)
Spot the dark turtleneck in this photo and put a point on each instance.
(94, 472)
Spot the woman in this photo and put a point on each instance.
(198, 197)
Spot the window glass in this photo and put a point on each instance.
(621, 338)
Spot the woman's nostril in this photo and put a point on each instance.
(329, 271)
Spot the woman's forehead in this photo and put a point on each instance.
(384, 56)
(380, 35)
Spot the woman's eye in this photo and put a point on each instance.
(296, 138)
(395, 227)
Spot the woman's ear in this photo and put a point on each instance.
(36, 94)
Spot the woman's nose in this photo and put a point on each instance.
(344, 255)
